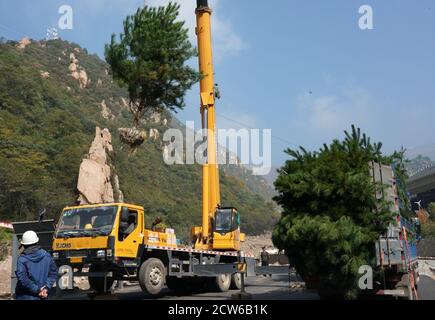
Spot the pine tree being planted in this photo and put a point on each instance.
(331, 217)
(151, 60)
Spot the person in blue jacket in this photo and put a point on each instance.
(36, 271)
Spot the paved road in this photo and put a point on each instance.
(261, 288)
(426, 288)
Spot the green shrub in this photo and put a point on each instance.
(5, 243)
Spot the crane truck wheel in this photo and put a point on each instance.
(236, 281)
(222, 282)
(152, 275)
(97, 283)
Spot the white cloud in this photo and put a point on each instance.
(321, 118)
(226, 40)
(335, 112)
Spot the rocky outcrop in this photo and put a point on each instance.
(154, 134)
(156, 117)
(106, 113)
(134, 138)
(98, 182)
(78, 72)
(44, 74)
(24, 43)
(124, 103)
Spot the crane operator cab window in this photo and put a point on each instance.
(128, 223)
(226, 220)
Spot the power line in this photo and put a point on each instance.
(248, 127)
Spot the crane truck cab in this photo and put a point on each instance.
(225, 232)
(226, 229)
(104, 232)
(107, 238)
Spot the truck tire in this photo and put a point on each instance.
(152, 275)
(236, 281)
(97, 283)
(222, 282)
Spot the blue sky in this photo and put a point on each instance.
(302, 68)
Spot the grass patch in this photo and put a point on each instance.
(5, 243)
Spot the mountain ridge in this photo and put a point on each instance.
(52, 96)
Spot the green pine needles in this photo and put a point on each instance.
(331, 217)
(151, 60)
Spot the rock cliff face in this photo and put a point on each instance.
(77, 72)
(98, 182)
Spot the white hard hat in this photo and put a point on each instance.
(29, 238)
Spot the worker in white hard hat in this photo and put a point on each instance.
(36, 271)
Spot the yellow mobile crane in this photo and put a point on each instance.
(113, 241)
(220, 228)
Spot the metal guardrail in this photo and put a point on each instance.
(276, 270)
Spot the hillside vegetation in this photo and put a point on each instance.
(47, 123)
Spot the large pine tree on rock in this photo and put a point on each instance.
(150, 60)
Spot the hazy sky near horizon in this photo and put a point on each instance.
(302, 68)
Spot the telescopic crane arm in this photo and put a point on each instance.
(210, 174)
(220, 229)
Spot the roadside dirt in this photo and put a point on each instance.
(427, 268)
(5, 276)
(254, 244)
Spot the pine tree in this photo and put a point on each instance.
(331, 217)
(150, 60)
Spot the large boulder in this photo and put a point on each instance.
(98, 182)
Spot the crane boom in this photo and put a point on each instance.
(220, 229)
(210, 173)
